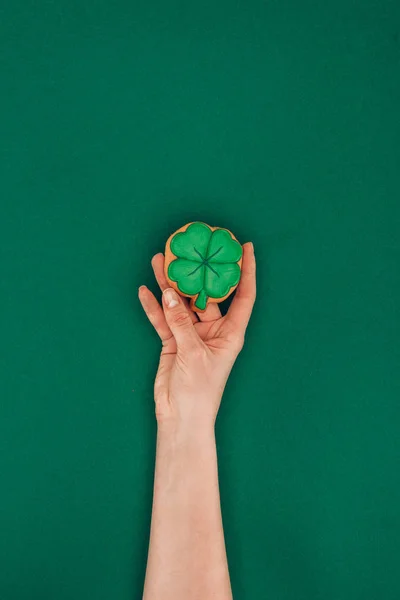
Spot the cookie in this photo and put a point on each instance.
(203, 263)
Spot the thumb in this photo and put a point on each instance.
(178, 319)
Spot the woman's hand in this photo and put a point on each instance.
(198, 349)
(187, 557)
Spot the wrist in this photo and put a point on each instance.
(184, 454)
(185, 436)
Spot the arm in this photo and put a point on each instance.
(187, 557)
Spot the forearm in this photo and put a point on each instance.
(187, 557)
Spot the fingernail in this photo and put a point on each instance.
(171, 298)
(142, 295)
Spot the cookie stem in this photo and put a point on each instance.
(201, 300)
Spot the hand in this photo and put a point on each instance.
(198, 349)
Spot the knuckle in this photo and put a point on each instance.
(238, 342)
(181, 319)
(153, 317)
(158, 387)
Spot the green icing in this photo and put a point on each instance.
(206, 262)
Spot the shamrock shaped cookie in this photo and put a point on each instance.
(203, 263)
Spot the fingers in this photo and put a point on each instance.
(157, 262)
(179, 321)
(242, 304)
(155, 314)
(212, 313)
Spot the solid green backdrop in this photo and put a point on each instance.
(120, 122)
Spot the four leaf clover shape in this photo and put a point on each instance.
(206, 263)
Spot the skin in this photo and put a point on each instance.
(187, 556)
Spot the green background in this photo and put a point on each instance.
(121, 121)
